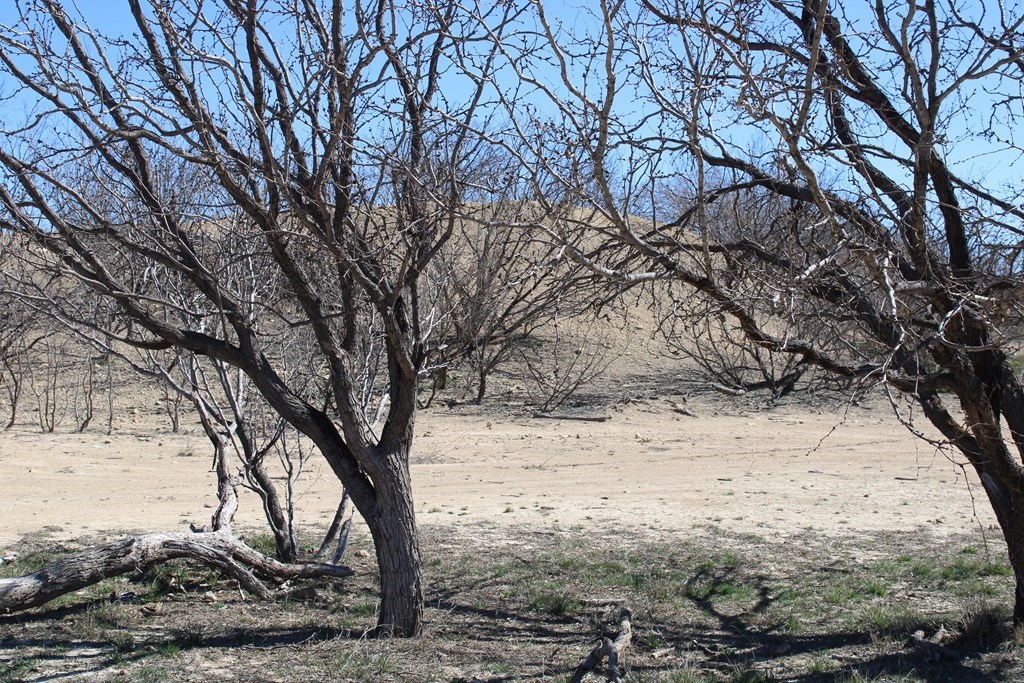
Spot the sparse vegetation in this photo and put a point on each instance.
(311, 220)
(738, 614)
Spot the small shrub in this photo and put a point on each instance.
(890, 621)
(556, 604)
(982, 625)
(188, 636)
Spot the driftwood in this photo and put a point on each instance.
(218, 549)
(610, 649)
(571, 416)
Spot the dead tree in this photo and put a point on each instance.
(904, 271)
(496, 284)
(318, 130)
(19, 334)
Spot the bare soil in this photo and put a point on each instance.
(834, 468)
(806, 541)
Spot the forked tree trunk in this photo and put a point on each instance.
(280, 524)
(336, 539)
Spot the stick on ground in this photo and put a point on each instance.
(610, 649)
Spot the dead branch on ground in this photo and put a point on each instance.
(610, 649)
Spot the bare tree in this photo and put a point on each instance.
(497, 283)
(570, 356)
(904, 272)
(694, 325)
(19, 334)
(313, 127)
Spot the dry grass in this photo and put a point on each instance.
(524, 605)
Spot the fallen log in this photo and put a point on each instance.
(218, 549)
(610, 649)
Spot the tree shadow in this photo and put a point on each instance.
(743, 641)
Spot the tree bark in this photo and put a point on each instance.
(280, 524)
(985, 405)
(481, 387)
(393, 528)
(1006, 502)
(336, 539)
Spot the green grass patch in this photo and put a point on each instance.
(17, 670)
(891, 621)
(557, 603)
(263, 543)
(31, 562)
(965, 568)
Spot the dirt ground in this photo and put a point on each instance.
(730, 530)
(836, 468)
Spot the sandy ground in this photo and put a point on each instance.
(840, 470)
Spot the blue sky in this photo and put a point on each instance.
(972, 155)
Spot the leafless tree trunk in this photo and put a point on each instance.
(18, 338)
(47, 381)
(284, 120)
